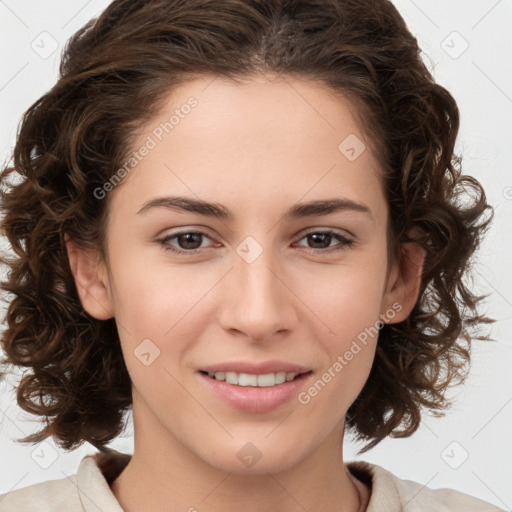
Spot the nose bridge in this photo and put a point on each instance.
(260, 304)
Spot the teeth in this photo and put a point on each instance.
(248, 379)
(231, 378)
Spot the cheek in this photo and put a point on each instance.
(158, 301)
(350, 352)
(156, 313)
(347, 308)
(344, 300)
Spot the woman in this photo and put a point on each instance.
(242, 219)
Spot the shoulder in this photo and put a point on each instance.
(52, 496)
(87, 490)
(392, 493)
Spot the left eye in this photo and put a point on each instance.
(190, 241)
(322, 237)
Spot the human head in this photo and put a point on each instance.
(116, 74)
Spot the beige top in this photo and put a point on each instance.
(88, 491)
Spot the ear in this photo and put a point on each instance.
(91, 279)
(404, 283)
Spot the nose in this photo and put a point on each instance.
(258, 302)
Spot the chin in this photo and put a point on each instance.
(254, 458)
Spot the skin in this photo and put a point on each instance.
(257, 148)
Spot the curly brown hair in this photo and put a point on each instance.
(115, 73)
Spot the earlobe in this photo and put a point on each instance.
(91, 280)
(405, 282)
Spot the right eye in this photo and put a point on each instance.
(186, 239)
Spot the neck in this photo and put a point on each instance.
(164, 475)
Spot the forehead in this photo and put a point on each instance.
(262, 140)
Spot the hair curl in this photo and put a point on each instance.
(115, 73)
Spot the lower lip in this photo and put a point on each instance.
(256, 399)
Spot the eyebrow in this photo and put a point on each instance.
(216, 210)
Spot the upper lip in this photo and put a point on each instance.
(256, 368)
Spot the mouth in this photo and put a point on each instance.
(255, 392)
(255, 380)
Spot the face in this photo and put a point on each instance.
(261, 287)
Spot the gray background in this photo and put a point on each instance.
(468, 46)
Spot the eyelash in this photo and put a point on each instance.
(345, 242)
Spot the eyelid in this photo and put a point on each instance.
(172, 232)
(341, 232)
(205, 231)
